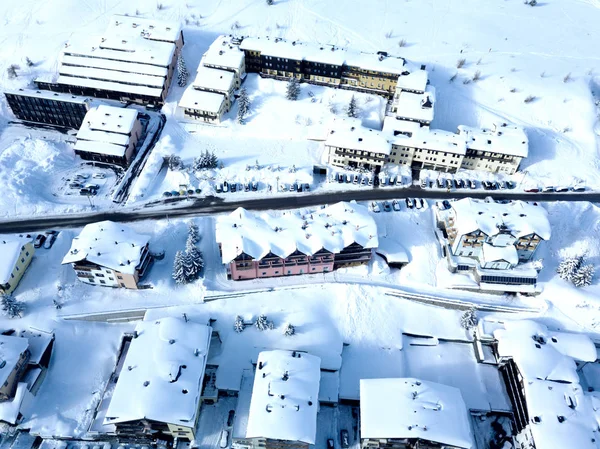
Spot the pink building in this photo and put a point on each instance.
(257, 246)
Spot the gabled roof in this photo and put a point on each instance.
(416, 106)
(11, 349)
(10, 248)
(332, 228)
(200, 100)
(108, 244)
(416, 81)
(349, 133)
(498, 253)
(162, 375)
(216, 79)
(502, 139)
(223, 53)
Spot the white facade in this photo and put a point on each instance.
(223, 55)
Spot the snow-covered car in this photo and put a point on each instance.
(399, 181)
(548, 189)
(75, 185)
(99, 176)
(387, 207)
(306, 187)
(440, 183)
(370, 181)
(330, 444)
(418, 204)
(423, 183)
(392, 180)
(561, 189)
(344, 439)
(39, 241)
(356, 179)
(396, 205)
(449, 184)
(578, 189)
(472, 183)
(50, 238)
(375, 207)
(511, 184)
(363, 181)
(82, 176)
(224, 440)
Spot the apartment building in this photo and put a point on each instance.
(285, 400)
(17, 253)
(158, 393)
(223, 54)
(109, 254)
(407, 413)
(498, 150)
(415, 107)
(50, 108)
(109, 134)
(495, 242)
(133, 61)
(264, 245)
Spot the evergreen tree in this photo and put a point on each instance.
(12, 307)
(174, 162)
(568, 267)
(289, 330)
(11, 71)
(584, 276)
(269, 2)
(243, 105)
(352, 108)
(293, 89)
(195, 258)
(178, 268)
(468, 319)
(190, 272)
(262, 323)
(213, 161)
(193, 233)
(182, 73)
(198, 163)
(238, 324)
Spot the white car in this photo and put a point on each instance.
(375, 207)
(224, 440)
(99, 176)
(396, 205)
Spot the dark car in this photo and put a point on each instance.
(344, 439)
(230, 418)
(39, 241)
(330, 444)
(511, 184)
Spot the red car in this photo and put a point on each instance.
(532, 190)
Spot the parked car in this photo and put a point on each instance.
(247, 187)
(82, 176)
(495, 185)
(224, 440)
(440, 183)
(511, 184)
(75, 185)
(396, 205)
(363, 181)
(219, 188)
(532, 190)
(418, 204)
(349, 178)
(423, 183)
(392, 180)
(230, 418)
(460, 183)
(472, 184)
(375, 207)
(446, 204)
(356, 179)
(561, 189)
(578, 189)
(39, 241)
(306, 187)
(387, 207)
(448, 183)
(50, 238)
(548, 189)
(399, 181)
(330, 444)
(410, 203)
(92, 186)
(502, 185)
(233, 187)
(293, 187)
(370, 181)
(340, 178)
(99, 176)
(344, 439)
(89, 192)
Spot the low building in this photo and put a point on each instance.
(284, 404)
(159, 388)
(109, 134)
(415, 107)
(349, 144)
(17, 252)
(255, 246)
(395, 127)
(498, 150)
(50, 108)
(415, 82)
(494, 242)
(133, 61)
(109, 254)
(405, 413)
(224, 55)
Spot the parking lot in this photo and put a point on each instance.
(330, 423)
(213, 421)
(87, 181)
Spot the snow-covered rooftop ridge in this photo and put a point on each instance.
(350, 134)
(193, 98)
(285, 396)
(11, 349)
(518, 217)
(163, 372)
(412, 408)
(326, 54)
(332, 228)
(432, 139)
(544, 354)
(108, 244)
(46, 94)
(151, 29)
(502, 138)
(416, 106)
(222, 53)
(10, 247)
(208, 78)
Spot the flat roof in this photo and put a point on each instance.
(110, 149)
(502, 138)
(111, 119)
(109, 85)
(46, 94)
(208, 78)
(433, 139)
(200, 100)
(412, 106)
(350, 134)
(223, 54)
(151, 29)
(416, 81)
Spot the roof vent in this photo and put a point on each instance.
(123, 41)
(269, 408)
(360, 139)
(146, 383)
(352, 128)
(285, 376)
(129, 368)
(310, 403)
(171, 341)
(220, 52)
(537, 419)
(561, 418)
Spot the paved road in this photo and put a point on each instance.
(213, 205)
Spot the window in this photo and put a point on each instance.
(22, 260)
(100, 275)
(102, 282)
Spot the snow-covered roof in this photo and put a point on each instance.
(152, 29)
(413, 106)
(110, 149)
(216, 79)
(11, 349)
(222, 53)
(123, 66)
(10, 247)
(332, 228)
(376, 62)
(325, 54)
(350, 134)
(416, 81)
(285, 396)
(9, 410)
(519, 218)
(109, 120)
(109, 85)
(501, 139)
(46, 94)
(108, 244)
(277, 47)
(412, 408)
(393, 126)
(162, 375)
(432, 139)
(393, 251)
(493, 253)
(38, 343)
(200, 100)
(96, 73)
(544, 354)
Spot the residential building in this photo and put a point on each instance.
(17, 252)
(51, 108)
(224, 55)
(541, 369)
(133, 61)
(498, 150)
(109, 134)
(255, 246)
(495, 242)
(109, 254)
(394, 127)
(406, 413)
(415, 107)
(349, 144)
(158, 393)
(284, 403)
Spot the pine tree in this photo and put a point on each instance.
(194, 259)
(293, 89)
(568, 267)
(238, 324)
(11, 71)
(289, 330)
(174, 162)
(178, 268)
(262, 323)
(468, 319)
(12, 307)
(352, 108)
(182, 73)
(193, 233)
(584, 276)
(198, 163)
(190, 272)
(243, 105)
(213, 161)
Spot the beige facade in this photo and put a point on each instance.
(369, 79)
(18, 255)
(106, 277)
(492, 162)
(349, 157)
(7, 390)
(267, 443)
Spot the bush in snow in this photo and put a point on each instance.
(584, 276)
(477, 76)
(193, 233)
(243, 105)
(568, 267)
(11, 307)
(530, 99)
(174, 162)
(269, 2)
(182, 72)
(207, 160)
(293, 89)
(468, 319)
(262, 324)
(238, 324)
(11, 71)
(28, 61)
(460, 63)
(352, 110)
(289, 330)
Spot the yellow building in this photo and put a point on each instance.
(17, 253)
